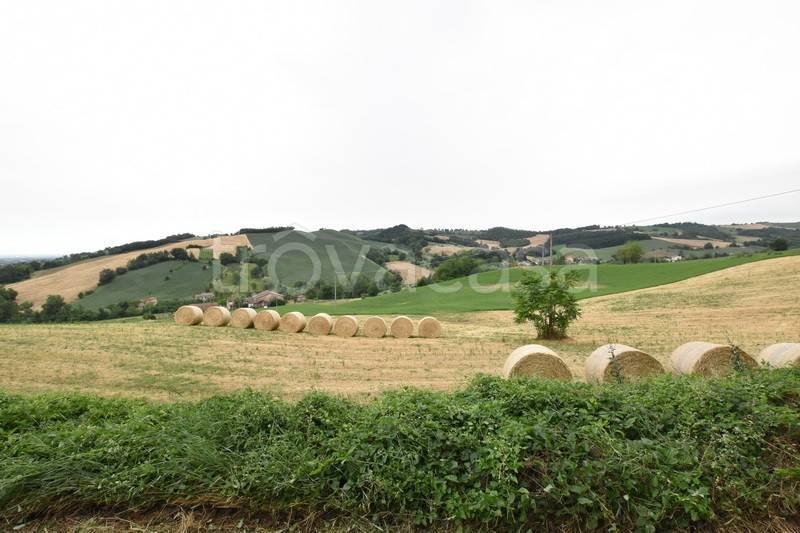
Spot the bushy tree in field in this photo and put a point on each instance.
(54, 309)
(779, 245)
(456, 267)
(630, 252)
(180, 254)
(8, 305)
(548, 303)
(106, 276)
(227, 259)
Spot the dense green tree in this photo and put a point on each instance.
(227, 259)
(9, 309)
(779, 245)
(549, 304)
(106, 276)
(456, 267)
(180, 254)
(54, 309)
(631, 252)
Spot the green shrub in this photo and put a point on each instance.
(664, 454)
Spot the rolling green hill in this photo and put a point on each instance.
(295, 255)
(488, 291)
(185, 280)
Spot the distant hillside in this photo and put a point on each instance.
(284, 258)
(171, 280)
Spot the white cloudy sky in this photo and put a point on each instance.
(133, 120)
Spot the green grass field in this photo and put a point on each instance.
(488, 291)
(297, 253)
(186, 279)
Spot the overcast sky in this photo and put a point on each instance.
(132, 120)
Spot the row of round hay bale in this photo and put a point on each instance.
(707, 359)
(268, 320)
(627, 363)
(781, 355)
(345, 326)
(188, 315)
(243, 317)
(216, 316)
(293, 322)
(534, 360)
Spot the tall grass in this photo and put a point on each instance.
(666, 453)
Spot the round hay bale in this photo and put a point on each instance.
(345, 326)
(293, 322)
(188, 315)
(706, 359)
(243, 317)
(781, 355)
(268, 320)
(374, 327)
(429, 327)
(534, 360)
(216, 316)
(632, 364)
(402, 327)
(320, 324)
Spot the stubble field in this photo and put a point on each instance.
(752, 305)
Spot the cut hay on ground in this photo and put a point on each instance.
(320, 324)
(402, 327)
(345, 326)
(188, 315)
(293, 322)
(216, 316)
(706, 359)
(374, 327)
(429, 327)
(781, 355)
(268, 320)
(629, 364)
(243, 318)
(534, 360)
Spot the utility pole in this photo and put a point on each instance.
(551, 252)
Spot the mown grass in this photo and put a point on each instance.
(490, 291)
(663, 454)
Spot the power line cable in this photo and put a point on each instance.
(728, 204)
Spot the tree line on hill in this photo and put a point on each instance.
(107, 275)
(55, 309)
(21, 271)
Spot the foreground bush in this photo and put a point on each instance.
(667, 453)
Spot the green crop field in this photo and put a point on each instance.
(295, 255)
(491, 290)
(185, 279)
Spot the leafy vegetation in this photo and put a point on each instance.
(631, 252)
(663, 454)
(548, 303)
(457, 266)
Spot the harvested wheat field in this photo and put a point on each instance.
(70, 280)
(410, 272)
(695, 243)
(755, 305)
